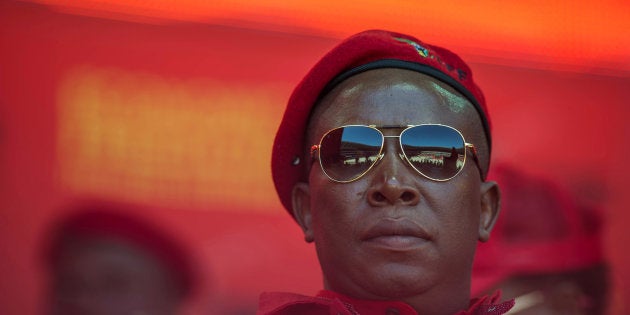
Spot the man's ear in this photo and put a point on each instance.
(301, 199)
(490, 207)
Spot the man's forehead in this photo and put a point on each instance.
(413, 94)
(402, 79)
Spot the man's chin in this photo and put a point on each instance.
(393, 287)
(398, 290)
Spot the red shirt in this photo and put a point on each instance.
(331, 303)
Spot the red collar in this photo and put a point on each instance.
(328, 302)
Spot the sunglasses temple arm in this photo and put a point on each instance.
(475, 158)
(313, 150)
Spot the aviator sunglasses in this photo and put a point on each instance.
(437, 152)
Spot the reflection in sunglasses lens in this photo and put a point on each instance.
(435, 151)
(347, 153)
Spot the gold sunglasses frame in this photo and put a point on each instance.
(315, 152)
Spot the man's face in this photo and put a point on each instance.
(353, 224)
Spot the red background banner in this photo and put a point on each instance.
(177, 108)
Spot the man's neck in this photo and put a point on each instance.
(447, 302)
(439, 301)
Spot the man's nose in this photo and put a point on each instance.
(393, 180)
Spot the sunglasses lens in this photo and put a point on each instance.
(348, 152)
(436, 151)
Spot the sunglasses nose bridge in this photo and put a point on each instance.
(393, 146)
(390, 150)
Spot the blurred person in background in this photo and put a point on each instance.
(104, 260)
(545, 250)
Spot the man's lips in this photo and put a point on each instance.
(397, 234)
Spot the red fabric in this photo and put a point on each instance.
(328, 302)
(357, 50)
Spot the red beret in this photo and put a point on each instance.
(541, 230)
(364, 51)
